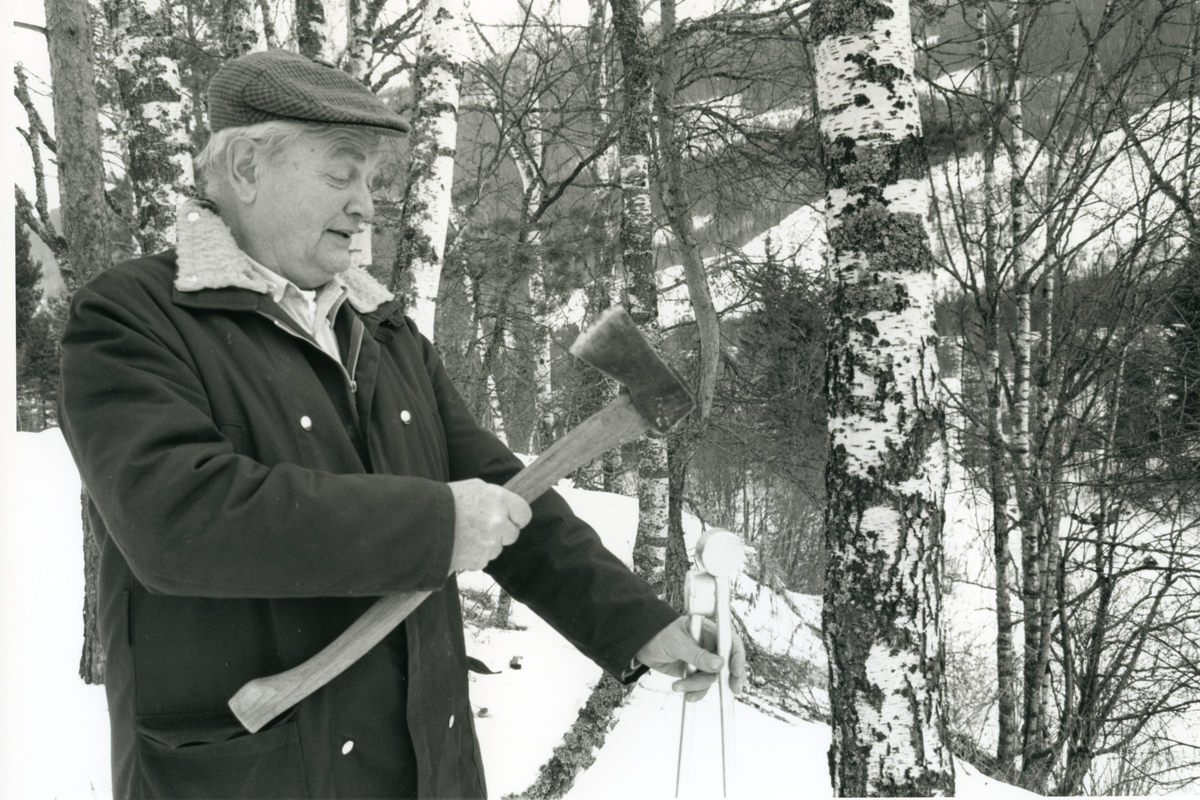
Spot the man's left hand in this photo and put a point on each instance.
(673, 650)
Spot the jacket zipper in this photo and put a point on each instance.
(356, 337)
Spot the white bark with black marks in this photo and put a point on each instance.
(443, 53)
(637, 259)
(314, 30)
(886, 473)
(157, 143)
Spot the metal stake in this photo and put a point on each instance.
(706, 591)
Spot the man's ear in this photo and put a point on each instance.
(244, 170)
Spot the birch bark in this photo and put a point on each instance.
(1031, 491)
(314, 30)
(157, 142)
(360, 23)
(1008, 721)
(237, 33)
(362, 15)
(528, 151)
(672, 190)
(886, 472)
(605, 170)
(641, 289)
(442, 55)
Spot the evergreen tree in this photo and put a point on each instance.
(31, 333)
(37, 342)
(1183, 332)
(28, 294)
(37, 374)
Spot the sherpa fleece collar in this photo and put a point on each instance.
(209, 258)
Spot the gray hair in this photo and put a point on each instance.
(272, 138)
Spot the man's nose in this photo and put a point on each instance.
(361, 203)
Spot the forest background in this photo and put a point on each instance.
(1060, 139)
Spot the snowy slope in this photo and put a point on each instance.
(42, 701)
(1119, 202)
(46, 711)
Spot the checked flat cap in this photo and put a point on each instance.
(282, 85)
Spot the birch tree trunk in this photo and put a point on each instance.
(314, 30)
(682, 444)
(542, 435)
(886, 472)
(236, 25)
(603, 291)
(159, 149)
(85, 223)
(360, 28)
(1008, 720)
(529, 154)
(360, 24)
(441, 59)
(1036, 758)
(641, 289)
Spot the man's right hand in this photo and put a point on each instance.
(486, 519)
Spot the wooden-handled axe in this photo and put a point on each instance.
(653, 396)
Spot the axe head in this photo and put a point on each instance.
(615, 346)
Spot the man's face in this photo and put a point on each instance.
(311, 197)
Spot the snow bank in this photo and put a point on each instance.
(54, 729)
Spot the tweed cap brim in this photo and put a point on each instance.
(282, 85)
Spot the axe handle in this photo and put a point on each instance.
(263, 699)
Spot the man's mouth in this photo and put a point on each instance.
(344, 234)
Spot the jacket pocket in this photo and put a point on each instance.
(211, 756)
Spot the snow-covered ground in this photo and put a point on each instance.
(54, 729)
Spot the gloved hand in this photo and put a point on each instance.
(673, 649)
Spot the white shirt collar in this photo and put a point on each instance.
(280, 284)
(308, 307)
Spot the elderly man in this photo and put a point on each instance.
(269, 445)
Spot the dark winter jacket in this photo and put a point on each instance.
(252, 496)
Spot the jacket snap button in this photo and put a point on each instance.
(451, 720)
(406, 417)
(306, 423)
(347, 747)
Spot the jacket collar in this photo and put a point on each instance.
(209, 258)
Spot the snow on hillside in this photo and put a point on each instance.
(54, 729)
(1105, 216)
(797, 242)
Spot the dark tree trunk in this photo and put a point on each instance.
(84, 217)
